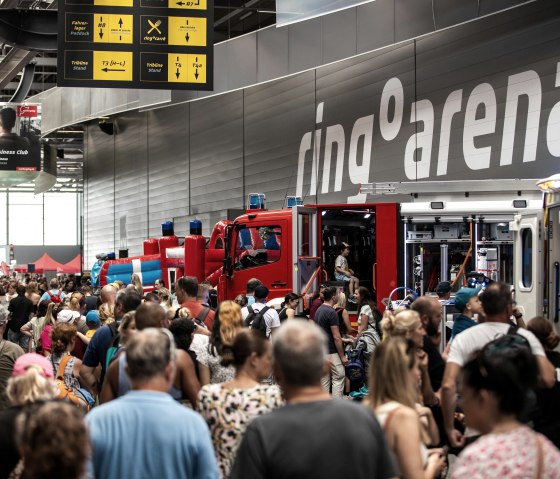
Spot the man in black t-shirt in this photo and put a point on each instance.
(327, 319)
(313, 436)
(20, 309)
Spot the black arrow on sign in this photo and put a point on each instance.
(196, 74)
(113, 70)
(187, 37)
(177, 74)
(120, 22)
(100, 33)
(181, 3)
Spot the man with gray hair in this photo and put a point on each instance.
(165, 439)
(9, 352)
(313, 435)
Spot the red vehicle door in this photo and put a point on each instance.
(259, 249)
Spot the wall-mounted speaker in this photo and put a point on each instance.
(106, 127)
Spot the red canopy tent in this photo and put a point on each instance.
(73, 266)
(46, 263)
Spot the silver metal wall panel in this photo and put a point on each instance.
(99, 201)
(452, 12)
(350, 92)
(339, 35)
(75, 104)
(51, 110)
(413, 18)
(241, 62)
(272, 53)
(131, 188)
(305, 45)
(168, 165)
(276, 116)
(491, 6)
(216, 153)
(375, 25)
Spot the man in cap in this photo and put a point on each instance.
(271, 317)
(9, 352)
(468, 304)
(67, 316)
(443, 290)
(309, 436)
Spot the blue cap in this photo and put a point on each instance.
(93, 318)
(463, 295)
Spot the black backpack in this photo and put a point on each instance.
(255, 319)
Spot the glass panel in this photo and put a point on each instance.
(26, 224)
(527, 257)
(61, 219)
(258, 246)
(304, 234)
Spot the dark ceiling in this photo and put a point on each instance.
(232, 18)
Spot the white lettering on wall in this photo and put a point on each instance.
(453, 105)
(553, 125)
(392, 89)
(482, 96)
(529, 84)
(363, 128)
(420, 143)
(334, 136)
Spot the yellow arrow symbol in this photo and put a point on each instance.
(154, 26)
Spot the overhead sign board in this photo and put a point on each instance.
(20, 133)
(158, 44)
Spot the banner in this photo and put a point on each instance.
(20, 133)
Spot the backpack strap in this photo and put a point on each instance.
(513, 329)
(203, 313)
(62, 366)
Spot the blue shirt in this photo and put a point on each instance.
(46, 296)
(146, 435)
(96, 351)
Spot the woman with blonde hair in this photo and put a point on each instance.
(392, 395)
(137, 283)
(227, 322)
(406, 324)
(106, 314)
(48, 326)
(165, 299)
(32, 292)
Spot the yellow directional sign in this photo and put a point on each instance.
(196, 68)
(187, 31)
(114, 3)
(110, 28)
(112, 66)
(188, 4)
(177, 68)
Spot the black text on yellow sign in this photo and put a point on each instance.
(173, 67)
(110, 28)
(187, 31)
(114, 3)
(114, 66)
(188, 4)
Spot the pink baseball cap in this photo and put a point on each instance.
(23, 363)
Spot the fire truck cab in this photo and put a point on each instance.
(294, 250)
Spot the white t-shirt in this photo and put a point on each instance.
(271, 317)
(341, 262)
(465, 344)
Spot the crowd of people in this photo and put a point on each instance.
(135, 382)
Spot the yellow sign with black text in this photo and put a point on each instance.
(188, 4)
(187, 31)
(115, 66)
(110, 28)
